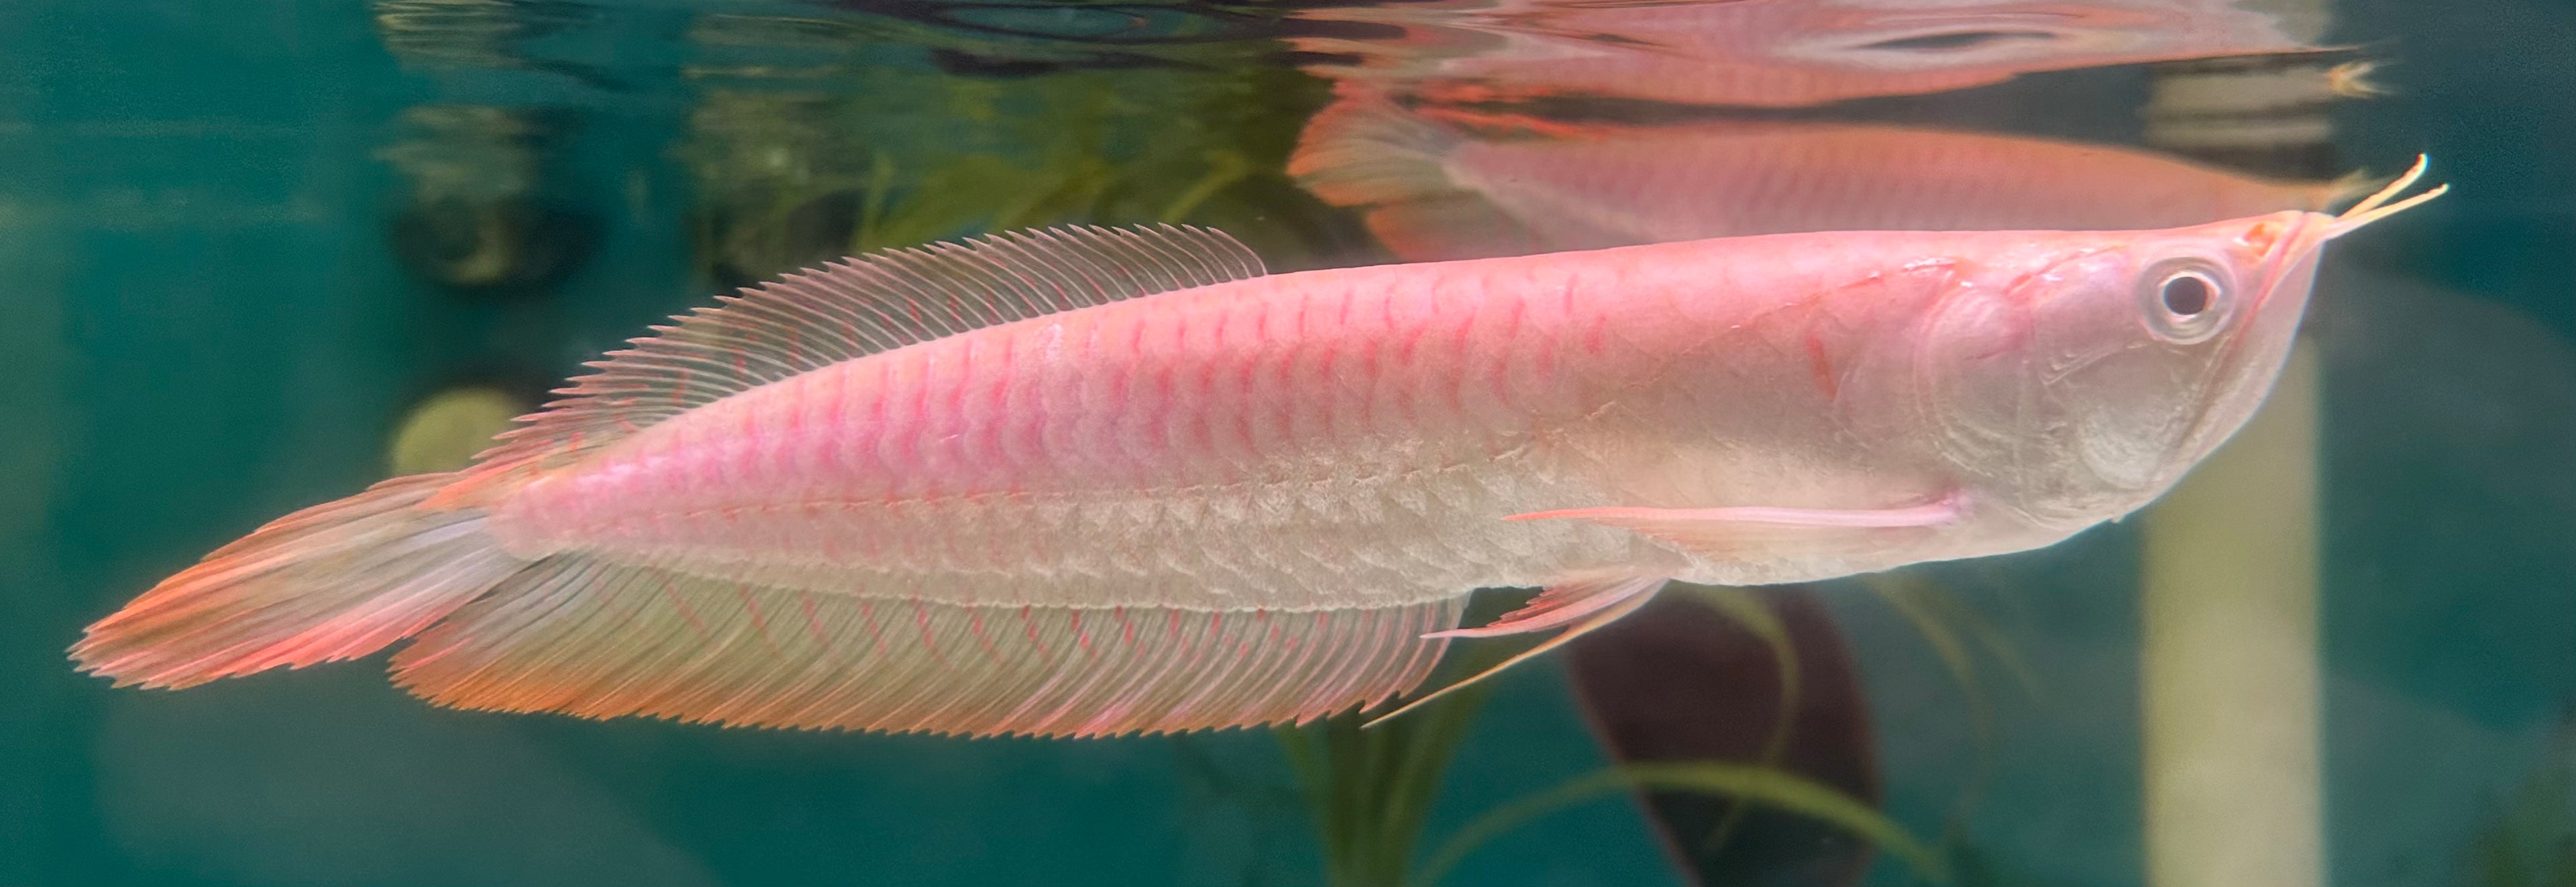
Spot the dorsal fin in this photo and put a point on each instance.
(847, 309)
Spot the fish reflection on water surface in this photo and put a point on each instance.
(1771, 53)
(1094, 481)
(1438, 191)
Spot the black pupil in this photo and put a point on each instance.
(2186, 295)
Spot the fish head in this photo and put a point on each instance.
(2105, 368)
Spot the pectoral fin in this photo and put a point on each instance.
(1560, 604)
(1580, 606)
(1742, 530)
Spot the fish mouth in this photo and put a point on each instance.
(2290, 261)
(2307, 237)
(2294, 250)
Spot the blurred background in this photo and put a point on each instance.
(256, 255)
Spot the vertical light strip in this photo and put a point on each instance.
(2230, 659)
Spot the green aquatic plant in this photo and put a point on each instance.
(1973, 865)
(479, 211)
(1019, 39)
(1249, 804)
(1371, 788)
(2530, 839)
(797, 165)
(484, 34)
(1756, 616)
(1755, 784)
(1075, 160)
(1950, 626)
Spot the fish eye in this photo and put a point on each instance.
(2185, 300)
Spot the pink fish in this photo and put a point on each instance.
(1481, 186)
(1769, 53)
(1087, 482)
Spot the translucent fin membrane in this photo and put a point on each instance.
(335, 581)
(848, 309)
(1621, 597)
(1368, 152)
(579, 637)
(1364, 152)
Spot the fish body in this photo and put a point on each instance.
(1089, 481)
(1437, 190)
(1311, 440)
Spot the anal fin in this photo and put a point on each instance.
(583, 636)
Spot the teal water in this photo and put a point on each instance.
(214, 220)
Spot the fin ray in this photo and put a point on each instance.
(1367, 152)
(1560, 604)
(1625, 598)
(335, 581)
(580, 636)
(849, 309)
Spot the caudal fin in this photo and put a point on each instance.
(335, 581)
(1367, 151)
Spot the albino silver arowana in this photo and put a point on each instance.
(1091, 481)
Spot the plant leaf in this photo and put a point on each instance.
(1758, 785)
